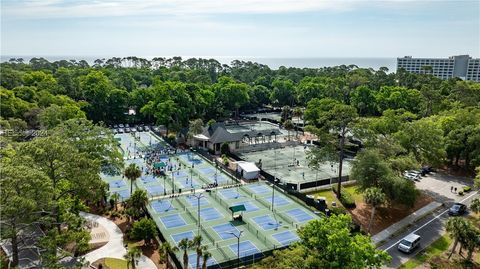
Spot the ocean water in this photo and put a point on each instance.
(273, 63)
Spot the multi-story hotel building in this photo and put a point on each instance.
(462, 66)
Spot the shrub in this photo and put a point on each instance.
(224, 149)
(225, 160)
(346, 198)
(145, 229)
(467, 188)
(338, 210)
(460, 193)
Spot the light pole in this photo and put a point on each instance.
(198, 196)
(238, 245)
(164, 186)
(274, 176)
(173, 181)
(191, 178)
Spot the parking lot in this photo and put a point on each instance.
(438, 185)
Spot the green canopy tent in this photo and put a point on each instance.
(235, 209)
(159, 165)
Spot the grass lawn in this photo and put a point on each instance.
(330, 195)
(113, 263)
(436, 248)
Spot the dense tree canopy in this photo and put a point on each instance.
(324, 243)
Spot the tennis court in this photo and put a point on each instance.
(286, 238)
(177, 217)
(188, 170)
(299, 215)
(162, 206)
(172, 221)
(266, 222)
(290, 165)
(246, 248)
(261, 229)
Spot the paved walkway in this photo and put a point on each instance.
(405, 222)
(114, 248)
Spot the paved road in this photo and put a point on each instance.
(430, 229)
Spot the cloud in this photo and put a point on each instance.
(96, 8)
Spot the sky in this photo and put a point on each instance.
(246, 28)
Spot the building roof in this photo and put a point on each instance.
(248, 166)
(219, 132)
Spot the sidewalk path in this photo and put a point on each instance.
(114, 248)
(410, 219)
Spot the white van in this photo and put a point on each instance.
(409, 243)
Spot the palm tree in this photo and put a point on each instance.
(297, 112)
(475, 205)
(138, 200)
(205, 255)
(197, 243)
(115, 196)
(185, 245)
(288, 124)
(132, 172)
(285, 113)
(195, 127)
(374, 197)
(455, 227)
(471, 239)
(165, 250)
(132, 255)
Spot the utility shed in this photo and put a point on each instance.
(248, 170)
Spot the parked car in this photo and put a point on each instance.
(121, 126)
(146, 128)
(409, 243)
(121, 130)
(411, 176)
(127, 130)
(115, 126)
(457, 209)
(126, 125)
(133, 129)
(140, 128)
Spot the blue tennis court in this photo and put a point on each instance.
(210, 214)
(220, 179)
(162, 205)
(178, 237)
(125, 194)
(299, 215)
(147, 179)
(154, 190)
(207, 170)
(186, 183)
(192, 260)
(225, 230)
(249, 206)
(278, 200)
(191, 158)
(117, 184)
(259, 189)
(192, 200)
(247, 248)
(266, 222)
(230, 193)
(286, 238)
(173, 221)
(181, 173)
